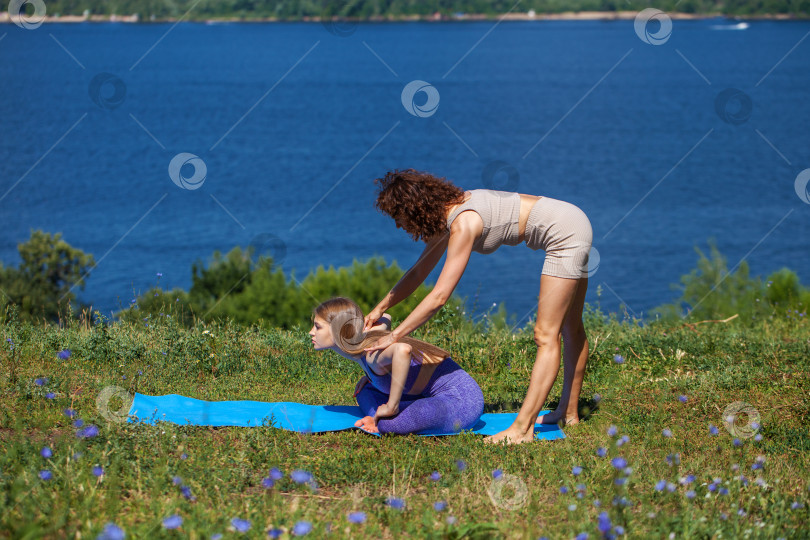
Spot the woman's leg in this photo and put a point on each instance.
(556, 298)
(447, 412)
(575, 356)
(443, 413)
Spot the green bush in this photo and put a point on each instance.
(43, 283)
(710, 292)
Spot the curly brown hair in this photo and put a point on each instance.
(417, 201)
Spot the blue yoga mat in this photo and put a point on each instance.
(286, 415)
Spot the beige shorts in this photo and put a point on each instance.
(564, 232)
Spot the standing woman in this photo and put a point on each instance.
(448, 219)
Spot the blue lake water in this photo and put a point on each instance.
(293, 123)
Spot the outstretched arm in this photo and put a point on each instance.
(459, 248)
(414, 277)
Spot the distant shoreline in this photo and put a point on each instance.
(565, 16)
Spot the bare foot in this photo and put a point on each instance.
(368, 424)
(556, 417)
(511, 436)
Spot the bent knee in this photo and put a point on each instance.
(546, 338)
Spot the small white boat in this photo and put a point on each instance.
(742, 25)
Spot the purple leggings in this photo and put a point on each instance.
(450, 402)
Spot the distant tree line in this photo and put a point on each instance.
(250, 290)
(368, 9)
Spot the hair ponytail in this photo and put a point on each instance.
(346, 320)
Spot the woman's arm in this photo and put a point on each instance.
(459, 248)
(399, 356)
(414, 277)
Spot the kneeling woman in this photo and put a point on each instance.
(409, 387)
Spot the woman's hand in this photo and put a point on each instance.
(367, 423)
(386, 410)
(372, 318)
(360, 384)
(382, 343)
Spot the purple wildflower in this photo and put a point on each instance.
(97, 471)
(461, 464)
(667, 432)
(50, 395)
(241, 525)
(619, 359)
(46, 452)
(619, 462)
(497, 473)
(690, 494)
(604, 524)
(45, 474)
(301, 477)
(64, 354)
(439, 506)
(435, 476)
(601, 452)
(268, 482)
(576, 471)
(660, 485)
(563, 490)
(172, 522)
(275, 533)
(612, 430)
(395, 502)
(276, 474)
(186, 491)
(301, 528)
(111, 531)
(70, 413)
(357, 517)
(87, 432)
(713, 429)
(683, 399)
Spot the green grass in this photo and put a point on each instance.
(766, 366)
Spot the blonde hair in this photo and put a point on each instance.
(346, 320)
